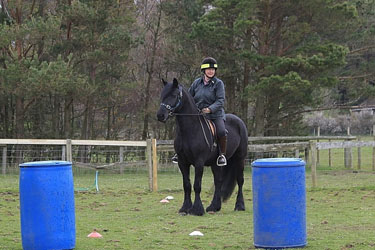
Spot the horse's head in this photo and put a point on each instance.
(171, 98)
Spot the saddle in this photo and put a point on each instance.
(212, 127)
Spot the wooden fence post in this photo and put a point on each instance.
(154, 167)
(307, 157)
(149, 163)
(63, 152)
(373, 149)
(121, 159)
(359, 155)
(348, 159)
(313, 162)
(4, 163)
(317, 151)
(69, 156)
(329, 156)
(296, 153)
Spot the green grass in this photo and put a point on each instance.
(340, 214)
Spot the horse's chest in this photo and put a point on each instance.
(198, 151)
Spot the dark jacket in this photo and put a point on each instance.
(210, 96)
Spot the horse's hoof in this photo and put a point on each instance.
(185, 209)
(212, 209)
(239, 208)
(211, 212)
(197, 212)
(182, 213)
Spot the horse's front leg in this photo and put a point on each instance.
(215, 205)
(185, 171)
(197, 208)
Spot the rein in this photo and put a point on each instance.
(176, 114)
(204, 133)
(172, 113)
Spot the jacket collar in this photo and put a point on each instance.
(212, 81)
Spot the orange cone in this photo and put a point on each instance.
(94, 234)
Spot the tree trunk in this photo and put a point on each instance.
(5, 118)
(244, 103)
(20, 118)
(56, 117)
(260, 105)
(259, 116)
(83, 154)
(150, 72)
(67, 130)
(108, 133)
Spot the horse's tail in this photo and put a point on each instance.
(233, 172)
(229, 182)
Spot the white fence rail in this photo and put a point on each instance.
(309, 146)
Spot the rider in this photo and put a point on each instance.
(209, 95)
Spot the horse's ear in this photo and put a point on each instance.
(164, 82)
(175, 83)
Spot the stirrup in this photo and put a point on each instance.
(174, 159)
(221, 161)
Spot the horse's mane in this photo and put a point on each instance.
(188, 95)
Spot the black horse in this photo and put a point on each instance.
(195, 146)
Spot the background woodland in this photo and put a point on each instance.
(92, 69)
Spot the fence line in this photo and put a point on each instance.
(66, 149)
(310, 145)
(300, 138)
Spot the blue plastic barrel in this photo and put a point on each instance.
(279, 203)
(47, 205)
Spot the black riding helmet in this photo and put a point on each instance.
(208, 63)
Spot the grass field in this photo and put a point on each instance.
(340, 214)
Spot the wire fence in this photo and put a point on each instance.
(122, 159)
(109, 159)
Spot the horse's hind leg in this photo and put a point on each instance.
(240, 204)
(185, 171)
(215, 205)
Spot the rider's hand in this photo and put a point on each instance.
(206, 110)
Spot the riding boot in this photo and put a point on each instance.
(221, 160)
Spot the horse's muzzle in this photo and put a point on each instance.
(162, 116)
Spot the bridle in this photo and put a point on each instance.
(178, 103)
(172, 109)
